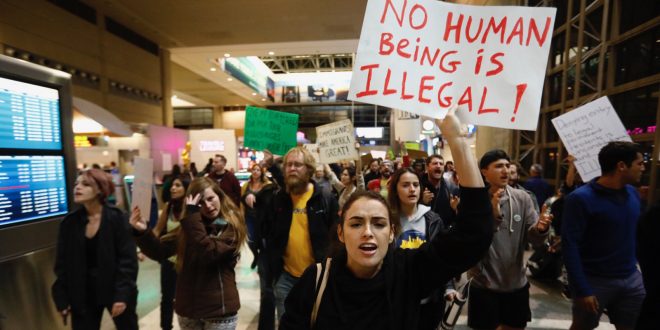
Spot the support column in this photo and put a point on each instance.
(166, 87)
(217, 117)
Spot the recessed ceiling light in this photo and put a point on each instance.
(230, 79)
(263, 100)
(254, 94)
(271, 53)
(227, 55)
(213, 69)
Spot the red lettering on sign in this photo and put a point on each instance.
(368, 91)
(423, 87)
(385, 38)
(494, 60)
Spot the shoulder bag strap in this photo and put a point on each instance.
(319, 294)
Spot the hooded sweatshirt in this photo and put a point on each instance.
(413, 229)
(503, 268)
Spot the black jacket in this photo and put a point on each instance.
(275, 221)
(440, 202)
(117, 261)
(409, 274)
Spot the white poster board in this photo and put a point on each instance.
(167, 161)
(313, 148)
(585, 130)
(423, 55)
(142, 186)
(336, 142)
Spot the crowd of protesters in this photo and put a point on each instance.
(347, 246)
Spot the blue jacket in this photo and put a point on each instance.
(598, 234)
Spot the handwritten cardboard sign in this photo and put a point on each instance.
(585, 130)
(423, 55)
(336, 141)
(143, 186)
(314, 150)
(272, 130)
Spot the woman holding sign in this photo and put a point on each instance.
(369, 284)
(207, 248)
(351, 181)
(96, 265)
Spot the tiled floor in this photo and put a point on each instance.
(549, 309)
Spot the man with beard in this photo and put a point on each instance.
(225, 179)
(499, 293)
(373, 172)
(514, 182)
(296, 222)
(386, 170)
(435, 191)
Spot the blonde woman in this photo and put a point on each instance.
(207, 248)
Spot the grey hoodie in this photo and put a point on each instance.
(503, 268)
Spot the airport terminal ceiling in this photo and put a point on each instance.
(202, 30)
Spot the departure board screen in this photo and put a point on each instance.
(30, 116)
(31, 187)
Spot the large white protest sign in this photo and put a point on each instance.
(585, 130)
(336, 141)
(142, 186)
(423, 55)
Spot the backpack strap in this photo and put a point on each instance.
(319, 293)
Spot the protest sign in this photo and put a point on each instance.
(585, 130)
(272, 130)
(142, 186)
(417, 154)
(314, 150)
(336, 141)
(423, 55)
(366, 159)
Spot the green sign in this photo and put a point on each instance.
(272, 130)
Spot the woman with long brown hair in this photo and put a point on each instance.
(249, 192)
(166, 229)
(207, 248)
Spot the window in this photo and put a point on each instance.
(634, 13)
(638, 57)
(637, 108)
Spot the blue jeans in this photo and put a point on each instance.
(283, 286)
(220, 323)
(622, 297)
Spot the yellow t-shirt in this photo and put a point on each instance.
(299, 255)
(384, 185)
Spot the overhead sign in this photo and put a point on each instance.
(336, 141)
(214, 145)
(423, 55)
(272, 130)
(585, 130)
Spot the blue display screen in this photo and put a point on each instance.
(31, 187)
(30, 116)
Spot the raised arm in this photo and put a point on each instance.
(464, 161)
(454, 251)
(207, 248)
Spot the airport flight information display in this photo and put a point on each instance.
(30, 116)
(31, 187)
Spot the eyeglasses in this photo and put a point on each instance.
(294, 165)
